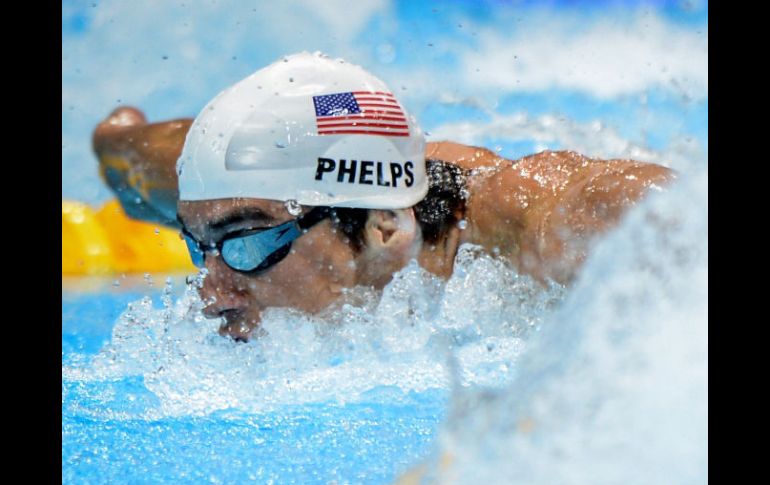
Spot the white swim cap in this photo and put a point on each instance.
(316, 130)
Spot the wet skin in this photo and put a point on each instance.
(540, 212)
(313, 275)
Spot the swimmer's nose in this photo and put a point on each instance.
(220, 288)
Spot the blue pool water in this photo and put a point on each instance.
(151, 393)
(108, 438)
(487, 376)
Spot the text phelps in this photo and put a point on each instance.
(385, 174)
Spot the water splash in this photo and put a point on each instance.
(293, 207)
(398, 339)
(615, 387)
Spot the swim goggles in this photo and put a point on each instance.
(256, 250)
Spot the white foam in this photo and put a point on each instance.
(615, 387)
(400, 338)
(605, 383)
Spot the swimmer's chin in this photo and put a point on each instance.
(239, 330)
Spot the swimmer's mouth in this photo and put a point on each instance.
(235, 326)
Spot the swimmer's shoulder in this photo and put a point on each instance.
(464, 156)
(471, 157)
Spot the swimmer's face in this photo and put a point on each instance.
(312, 276)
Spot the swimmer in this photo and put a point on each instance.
(309, 177)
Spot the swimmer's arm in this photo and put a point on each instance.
(591, 204)
(137, 160)
(542, 211)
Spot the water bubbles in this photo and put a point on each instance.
(293, 207)
(166, 297)
(366, 340)
(620, 368)
(196, 280)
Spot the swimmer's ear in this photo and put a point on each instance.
(393, 231)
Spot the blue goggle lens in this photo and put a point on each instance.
(255, 250)
(251, 250)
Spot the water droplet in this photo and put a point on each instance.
(157, 231)
(462, 224)
(165, 57)
(293, 207)
(291, 79)
(116, 283)
(279, 144)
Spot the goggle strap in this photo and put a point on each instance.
(316, 215)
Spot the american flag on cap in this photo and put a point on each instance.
(360, 112)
